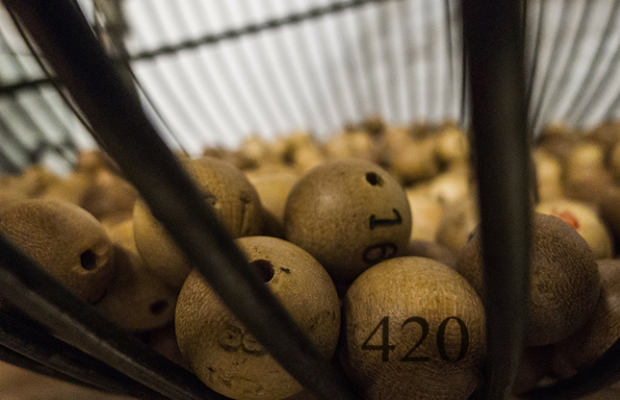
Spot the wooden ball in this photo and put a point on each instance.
(564, 281)
(234, 199)
(457, 223)
(273, 184)
(603, 327)
(349, 214)
(585, 158)
(109, 195)
(610, 212)
(414, 329)
(548, 176)
(220, 350)
(451, 146)
(432, 250)
(68, 242)
(558, 140)
(452, 186)
(415, 161)
(428, 211)
(584, 220)
(136, 300)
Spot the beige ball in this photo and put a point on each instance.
(349, 215)
(428, 211)
(226, 189)
(548, 176)
(603, 327)
(584, 220)
(68, 242)
(220, 350)
(273, 184)
(457, 223)
(136, 300)
(564, 281)
(415, 329)
(415, 161)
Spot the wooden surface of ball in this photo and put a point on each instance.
(414, 329)
(603, 327)
(584, 220)
(220, 350)
(226, 189)
(136, 299)
(457, 223)
(564, 280)
(68, 242)
(349, 215)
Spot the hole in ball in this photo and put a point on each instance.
(88, 260)
(264, 268)
(374, 179)
(158, 307)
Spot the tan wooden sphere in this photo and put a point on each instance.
(231, 195)
(68, 242)
(615, 161)
(451, 146)
(564, 281)
(585, 158)
(414, 329)
(220, 350)
(33, 180)
(136, 300)
(558, 140)
(457, 223)
(428, 211)
(273, 184)
(70, 188)
(584, 220)
(610, 212)
(451, 186)
(603, 326)
(548, 176)
(415, 161)
(432, 250)
(349, 214)
(109, 195)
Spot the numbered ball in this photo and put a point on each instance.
(68, 242)
(220, 350)
(349, 215)
(415, 329)
(564, 281)
(234, 199)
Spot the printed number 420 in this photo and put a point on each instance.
(385, 347)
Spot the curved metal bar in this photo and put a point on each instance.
(54, 357)
(11, 357)
(493, 41)
(560, 34)
(602, 373)
(175, 201)
(569, 65)
(582, 97)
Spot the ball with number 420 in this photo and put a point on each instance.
(414, 329)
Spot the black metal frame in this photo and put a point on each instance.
(492, 37)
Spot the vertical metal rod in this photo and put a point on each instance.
(560, 35)
(493, 42)
(572, 60)
(174, 200)
(581, 97)
(451, 91)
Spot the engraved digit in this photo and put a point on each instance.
(441, 338)
(387, 250)
(385, 346)
(424, 325)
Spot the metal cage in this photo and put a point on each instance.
(506, 69)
